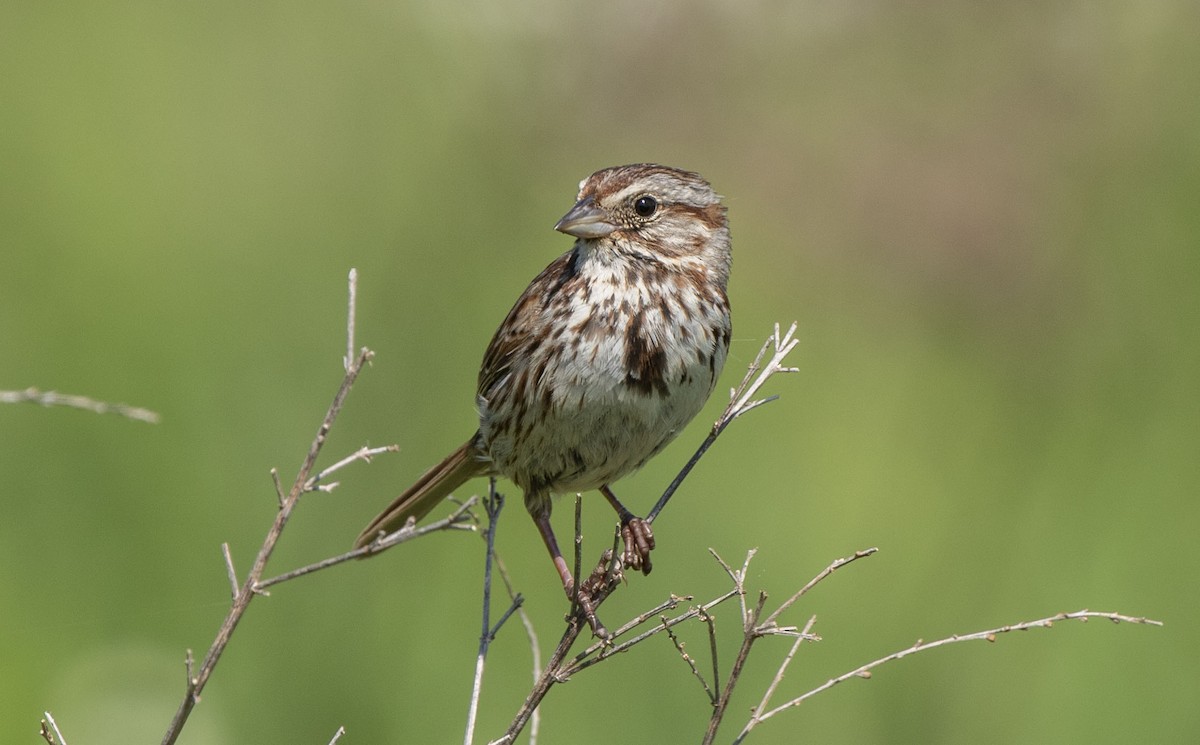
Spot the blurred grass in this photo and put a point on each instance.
(983, 217)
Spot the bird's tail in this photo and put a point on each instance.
(431, 488)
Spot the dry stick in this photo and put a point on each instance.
(988, 635)
(805, 635)
(50, 731)
(233, 580)
(752, 630)
(352, 303)
(250, 587)
(364, 453)
(770, 622)
(750, 620)
(337, 735)
(691, 663)
(741, 401)
(492, 506)
(711, 623)
(459, 519)
(531, 634)
(541, 686)
(52, 398)
(578, 568)
(602, 651)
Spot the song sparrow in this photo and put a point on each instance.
(603, 359)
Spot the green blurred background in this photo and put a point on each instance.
(984, 217)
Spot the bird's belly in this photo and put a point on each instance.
(594, 429)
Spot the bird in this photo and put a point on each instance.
(603, 359)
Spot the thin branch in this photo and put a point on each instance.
(813, 582)
(691, 663)
(752, 630)
(742, 397)
(233, 580)
(531, 635)
(493, 506)
(600, 651)
(50, 732)
(364, 453)
(460, 519)
(189, 668)
(805, 635)
(251, 587)
(278, 486)
(513, 607)
(735, 673)
(741, 400)
(711, 623)
(550, 676)
(575, 608)
(53, 398)
(337, 735)
(988, 635)
(352, 303)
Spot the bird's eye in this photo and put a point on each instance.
(645, 205)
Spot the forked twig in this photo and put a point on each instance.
(741, 401)
(493, 506)
(253, 584)
(531, 635)
(753, 630)
(864, 671)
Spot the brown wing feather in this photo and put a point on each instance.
(513, 338)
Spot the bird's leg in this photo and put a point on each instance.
(541, 518)
(639, 539)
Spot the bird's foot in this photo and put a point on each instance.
(639, 540)
(594, 588)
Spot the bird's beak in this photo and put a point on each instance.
(585, 220)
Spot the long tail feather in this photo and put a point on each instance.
(430, 489)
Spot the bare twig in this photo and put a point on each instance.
(50, 732)
(735, 673)
(691, 663)
(493, 505)
(189, 667)
(601, 651)
(337, 735)
(352, 303)
(531, 634)
(813, 582)
(53, 398)
(805, 635)
(233, 580)
(711, 623)
(741, 400)
(752, 630)
(251, 587)
(988, 635)
(460, 519)
(578, 567)
(364, 453)
(278, 486)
